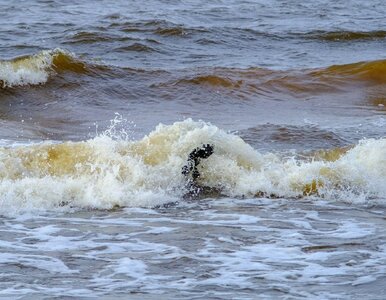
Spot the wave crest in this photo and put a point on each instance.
(334, 78)
(36, 69)
(102, 172)
(346, 36)
(369, 71)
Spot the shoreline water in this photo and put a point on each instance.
(101, 104)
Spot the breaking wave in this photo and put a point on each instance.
(36, 69)
(105, 172)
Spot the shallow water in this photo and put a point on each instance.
(203, 249)
(92, 199)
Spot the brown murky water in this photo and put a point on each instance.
(292, 97)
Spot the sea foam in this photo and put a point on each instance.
(104, 172)
(32, 69)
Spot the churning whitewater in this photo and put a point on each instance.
(192, 149)
(104, 172)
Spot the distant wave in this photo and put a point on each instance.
(85, 37)
(212, 80)
(346, 36)
(36, 69)
(104, 172)
(137, 47)
(368, 71)
(321, 35)
(157, 27)
(309, 81)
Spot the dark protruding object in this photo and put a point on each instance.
(202, 152)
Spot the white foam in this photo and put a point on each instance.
(104, 172)
(29, 70)
(36, 261)
(364, 280)
(131, 267)
(350, 230)
(271, 251)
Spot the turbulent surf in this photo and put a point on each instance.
(104, 172)
(192, 149)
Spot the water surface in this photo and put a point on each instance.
(101, 104)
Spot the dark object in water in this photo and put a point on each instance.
(194, 160)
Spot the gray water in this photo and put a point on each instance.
(223, 248)
(106, 214)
